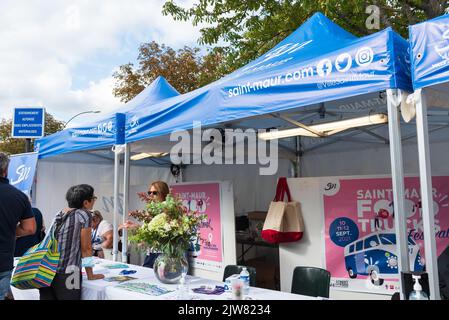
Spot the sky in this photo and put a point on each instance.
(61, 54)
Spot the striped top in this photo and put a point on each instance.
(69, 238)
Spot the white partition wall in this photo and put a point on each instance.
(252, 192)
(354, 160)
(54, 179)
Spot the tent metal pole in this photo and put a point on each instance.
(375, 135)
(411, 136)
(300, 125)
(331, 140)
(116, 201)
(425, 179)
(125, 202)
(288, 149)
(397, 175)
(181, 174)
(298, 157)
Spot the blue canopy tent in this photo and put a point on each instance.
(160, 89)
(429, 53)
(105, 132)
(317, 64)
(304, 62)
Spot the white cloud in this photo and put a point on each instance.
(43, 42)
(97, 97)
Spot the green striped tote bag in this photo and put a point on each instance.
(37, 267)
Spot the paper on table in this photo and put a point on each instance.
(115, 266)
(119, 279)
(145, 288)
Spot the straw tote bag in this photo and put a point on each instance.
(284, 222)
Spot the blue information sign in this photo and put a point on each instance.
(28, 123)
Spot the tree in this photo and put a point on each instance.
(184, 69)
(17, 145)
(252, 27)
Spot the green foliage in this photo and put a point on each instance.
(16, 145)
(252, 27)
(241, 31)
(184, 69)
(167, 226)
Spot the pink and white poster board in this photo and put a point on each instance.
(360, 250)
(205, 198)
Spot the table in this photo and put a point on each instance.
(91, 290)
(104, 290)
(95, 290)
(31, 294)
(117, 293)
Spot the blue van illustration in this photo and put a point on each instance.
(375, 255)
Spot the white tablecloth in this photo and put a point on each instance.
(95, 290)
(116, 293)
(31, 294)
(104, 290)
(91, 290)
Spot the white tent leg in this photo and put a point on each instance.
(426, 195)
(116, 203)
(397, 175)
(125, 203)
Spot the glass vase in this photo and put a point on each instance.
(169, 269)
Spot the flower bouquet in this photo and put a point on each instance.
(167, 227)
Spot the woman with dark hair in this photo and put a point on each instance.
(157, 191)
(72, 229)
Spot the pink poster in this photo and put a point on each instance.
(360, 237)
(204, 198)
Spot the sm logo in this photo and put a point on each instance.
(23, 173)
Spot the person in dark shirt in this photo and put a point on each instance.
(24, 243)
(16, 220)
(443, 273)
